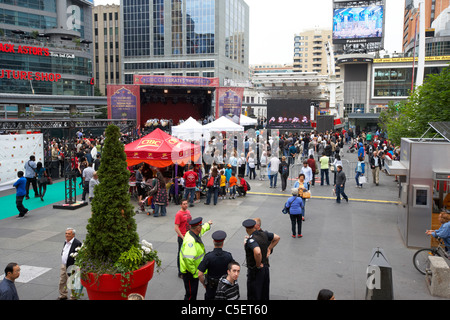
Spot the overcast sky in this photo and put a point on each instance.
(273, 24)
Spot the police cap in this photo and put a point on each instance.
(249, 223)
(195, 222)
(219, 236)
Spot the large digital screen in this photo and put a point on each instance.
(289, 114)
(358, 25)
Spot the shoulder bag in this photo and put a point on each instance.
(288, 209)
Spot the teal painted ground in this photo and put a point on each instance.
(55, 194)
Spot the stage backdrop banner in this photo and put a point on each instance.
(229, 103)
(175, 81)
(15, 151)
(124, 102)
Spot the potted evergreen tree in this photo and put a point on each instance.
(112, 261)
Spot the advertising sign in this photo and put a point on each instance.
(358, 25)
(229, 103)
(289, 114)
(152, 80)
(124, 102)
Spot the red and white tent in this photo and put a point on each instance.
(161, 150)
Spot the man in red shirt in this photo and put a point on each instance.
(182, 219)
(190, 182)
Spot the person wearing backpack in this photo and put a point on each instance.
(213, 186)
(242, 186)
(284, 172)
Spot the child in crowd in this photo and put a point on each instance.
(242, 186)
(232, 184)
(223, 184)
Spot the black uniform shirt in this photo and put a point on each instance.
(216, 262)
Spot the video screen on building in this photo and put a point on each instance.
(358, 25)
(289, 114)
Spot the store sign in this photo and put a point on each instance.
(62, 55)
(35, 51)
(29, 75)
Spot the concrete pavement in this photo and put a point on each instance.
(334, 252)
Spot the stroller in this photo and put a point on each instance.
(150, 191)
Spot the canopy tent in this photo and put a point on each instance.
(190, 130)
(223, 124)
(161, 150)
(247, 121)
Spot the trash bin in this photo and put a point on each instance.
(379, 285)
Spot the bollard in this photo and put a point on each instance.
(379, 285)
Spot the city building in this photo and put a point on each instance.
(45, 51)
(433, 9)
(107, 57)
(207, 38)
(311, 52)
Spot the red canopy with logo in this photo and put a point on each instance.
(161, 150)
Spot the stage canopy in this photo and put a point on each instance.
(223, 124)
(161, 150)
(247, 121)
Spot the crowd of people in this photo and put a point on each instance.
(226, 177)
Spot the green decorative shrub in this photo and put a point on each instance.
(112, 227)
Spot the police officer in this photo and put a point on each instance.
(214, 265)
(258, 246)
(191, 254)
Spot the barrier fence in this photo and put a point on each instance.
(349, 168)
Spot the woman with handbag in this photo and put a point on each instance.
(360, 169)
(42, 176)
(303, 191)
(294, 206)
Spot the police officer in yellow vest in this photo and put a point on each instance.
(191, 254)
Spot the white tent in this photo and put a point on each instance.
(189, 130)
(247, 121)
(223, 124)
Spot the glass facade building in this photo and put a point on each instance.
(63, 30)
(205, 38)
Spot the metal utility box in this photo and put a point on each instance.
(424, 168)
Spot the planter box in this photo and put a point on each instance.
(109, 287)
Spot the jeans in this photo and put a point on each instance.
(339, 191)
(212, 190)
(85, 190)
(191, 192)
(296, 221)
(159, 207)
(358, 174)
(273, 180)
(233, 191)
(324, 172)
(252, 173)
(283, 182)
(33, 182)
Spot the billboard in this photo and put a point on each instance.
(229, 103)
(358, 24)
(124, 102)
(289, 114)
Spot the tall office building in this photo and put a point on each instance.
(310, 51)
(433, 8)
(45, 47)
(107, 58)
(201, 38)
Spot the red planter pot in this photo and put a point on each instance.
(109, 287)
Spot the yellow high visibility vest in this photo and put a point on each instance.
(192, 252)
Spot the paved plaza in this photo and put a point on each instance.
(334, 252)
